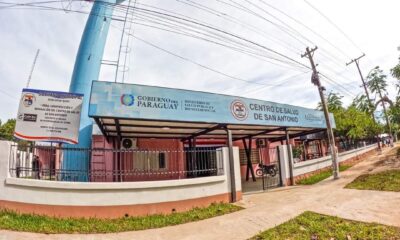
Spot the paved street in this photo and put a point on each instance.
(266, 210)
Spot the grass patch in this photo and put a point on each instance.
(321, 176)
(310, 225)
(42, 224)
(382, 181)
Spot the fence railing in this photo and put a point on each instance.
(344, 146)
(57, 163)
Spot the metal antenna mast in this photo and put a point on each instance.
(33, 68)
(124, 48)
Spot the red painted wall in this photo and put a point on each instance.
(106, 162)
(102, 161)
(175, 157)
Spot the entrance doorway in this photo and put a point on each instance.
(271, 176)
(267, 169)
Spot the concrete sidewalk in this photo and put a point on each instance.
(268, 209)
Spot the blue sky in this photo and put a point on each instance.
(371, 24)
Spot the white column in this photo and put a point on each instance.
(5, 150)
(284, 163)
(236, 162)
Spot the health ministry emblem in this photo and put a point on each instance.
(28, 99)
(239, 110)
(127, 99)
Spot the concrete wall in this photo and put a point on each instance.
(319, 163)
(109, 200)
(310, 167)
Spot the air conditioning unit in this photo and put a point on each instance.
(129, 143)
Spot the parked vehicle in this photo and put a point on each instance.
(263, 169)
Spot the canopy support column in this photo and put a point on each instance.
(231, 166)
(290, 157)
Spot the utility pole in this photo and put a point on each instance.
(371, 106)
(331, 138)
(33, 68)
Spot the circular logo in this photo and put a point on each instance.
(127, 99)
(239, 110)
(28, 99)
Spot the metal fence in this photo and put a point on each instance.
(57, 163)
(345, 145)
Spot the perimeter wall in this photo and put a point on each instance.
(116, 199)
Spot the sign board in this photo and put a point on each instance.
(48, 116)
(116, 100)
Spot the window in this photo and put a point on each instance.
(148, 160)
(255, 156)
(161, 160)
(313, 147)
(313, 150)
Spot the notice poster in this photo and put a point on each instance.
(49, 116)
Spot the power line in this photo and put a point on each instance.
(333, 59)
(280, 27)
(274, 59)
(157, 13)
(252, 28)
(190, 20)
(297, 32)
(282, 22)
(196, 63)
(288, 26)
(50, 8)
(186, 20)
(8, 95)
(333, 24)
(282, 82)
(338, 84)
(227, 33)
(244, 8)
(305, 26)
(226, 75)
(239, 47)
(346, 91)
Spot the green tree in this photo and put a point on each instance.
(361, 102)
(7, 129)
(394, 111)
(376, 81)
(354, 122)
(334, 102)
(394, 115)
(358, 124)
(335, 106)
(396, 74)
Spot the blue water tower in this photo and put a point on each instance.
(86, 69)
